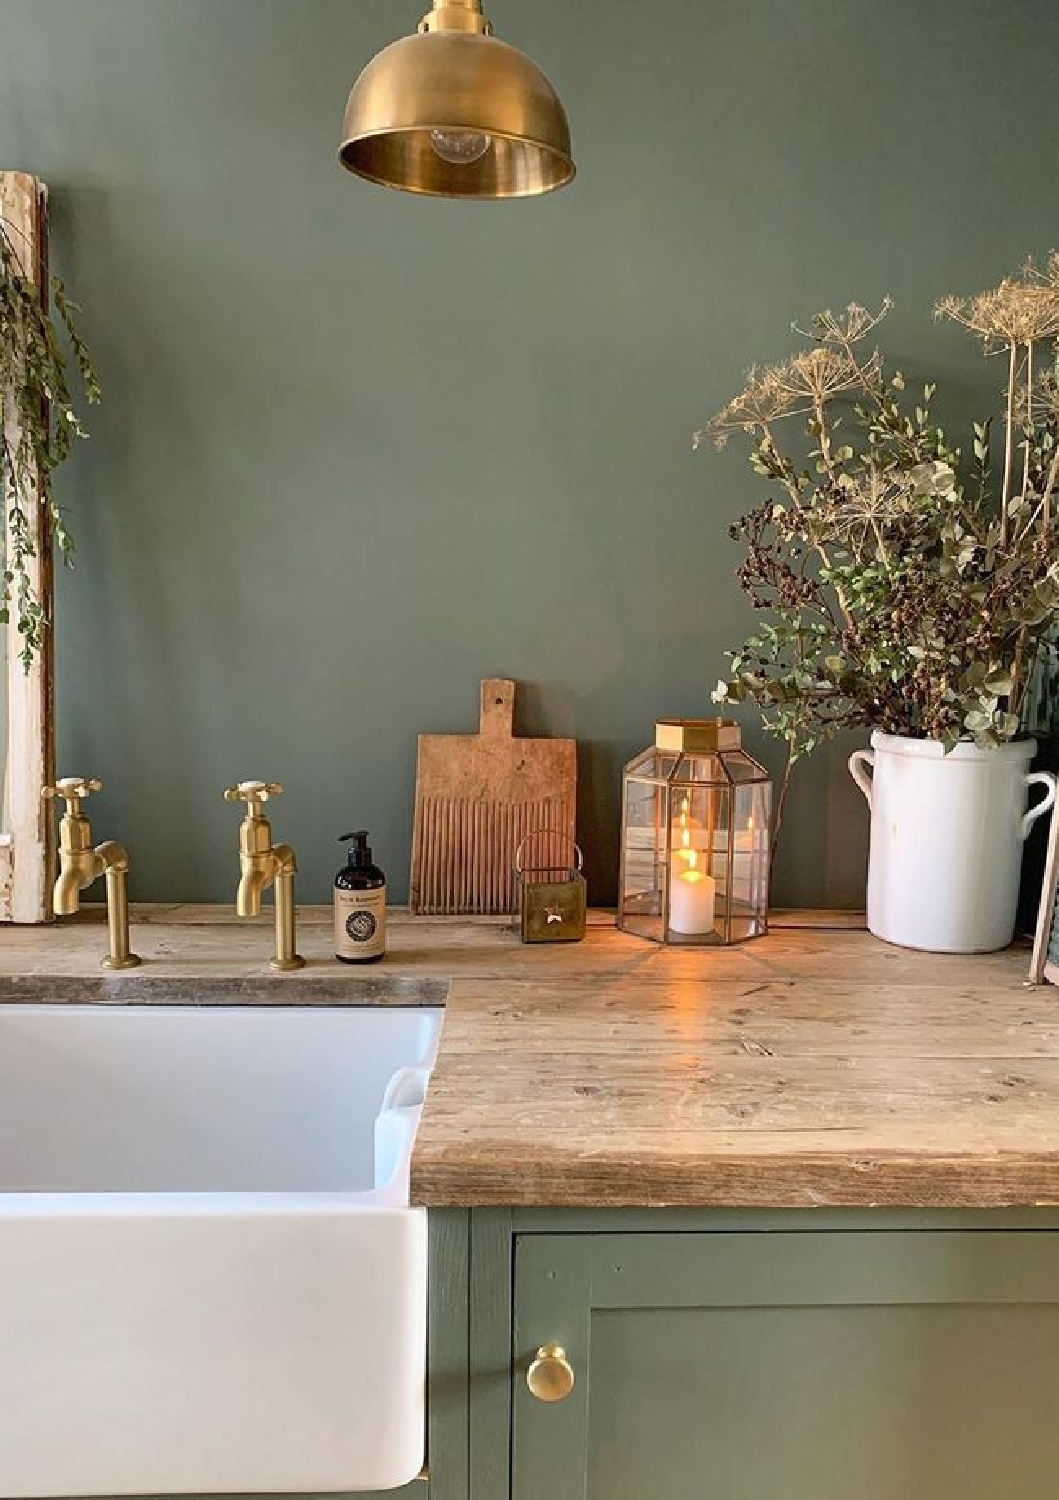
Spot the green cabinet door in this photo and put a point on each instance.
(914, 1365)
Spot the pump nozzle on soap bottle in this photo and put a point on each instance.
(360, 904)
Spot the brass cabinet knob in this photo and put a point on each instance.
(550, 1376)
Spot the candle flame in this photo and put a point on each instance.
(685, 838)
(693, 859)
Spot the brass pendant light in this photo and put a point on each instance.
(456, 113)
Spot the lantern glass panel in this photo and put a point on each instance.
(749, 860)
(654, 765)
(644, 825)
(739, 766)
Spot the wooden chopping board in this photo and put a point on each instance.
(477, 797)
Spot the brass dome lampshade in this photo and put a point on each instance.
(456, 113)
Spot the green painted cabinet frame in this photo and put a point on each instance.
(747, 1355)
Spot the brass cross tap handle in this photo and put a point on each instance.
(73, 790)
(550, 1376)
(253, 793)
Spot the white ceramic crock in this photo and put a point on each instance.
(946, 839)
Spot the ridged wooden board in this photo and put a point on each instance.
(477, 797)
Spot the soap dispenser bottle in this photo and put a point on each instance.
(360, 905)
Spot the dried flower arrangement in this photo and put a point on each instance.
(38, 424)
(905, 592)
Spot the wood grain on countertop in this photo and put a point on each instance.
(808, 1069)
(815, 1067)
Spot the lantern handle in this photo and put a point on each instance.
(552, 833)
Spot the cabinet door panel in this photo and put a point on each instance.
(891, 1366)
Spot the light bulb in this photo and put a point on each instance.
(460, 148)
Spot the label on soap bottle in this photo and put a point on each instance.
(360, 923)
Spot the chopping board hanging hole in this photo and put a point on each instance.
(497, 715)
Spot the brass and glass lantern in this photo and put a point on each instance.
(696, 819)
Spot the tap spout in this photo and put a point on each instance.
(66, 895)
(255, 877)
(78, 869)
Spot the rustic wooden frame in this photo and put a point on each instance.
(27, 843)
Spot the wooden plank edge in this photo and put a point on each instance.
(935, 1180)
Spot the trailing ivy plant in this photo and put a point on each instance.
(902, 585)
(38, 427)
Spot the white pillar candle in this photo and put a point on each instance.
(692, 898)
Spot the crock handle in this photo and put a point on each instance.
(1039, 778)
(860, 759)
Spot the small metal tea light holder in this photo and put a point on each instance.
(550, 897)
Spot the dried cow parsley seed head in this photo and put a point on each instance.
(808, 380)
(1020, 310)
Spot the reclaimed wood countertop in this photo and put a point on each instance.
(815, 1067)
(807, 1069)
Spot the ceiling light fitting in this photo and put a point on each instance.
(454, 112)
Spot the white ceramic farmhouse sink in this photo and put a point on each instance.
(210, 1277)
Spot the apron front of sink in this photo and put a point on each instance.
(210, 1278)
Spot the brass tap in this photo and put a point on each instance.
(261, 863)
(80, 866)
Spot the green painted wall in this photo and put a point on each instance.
(359, 449)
